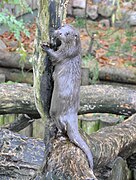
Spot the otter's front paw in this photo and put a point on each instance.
(45, 46)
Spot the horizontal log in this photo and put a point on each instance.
(13, 60)
(17, 75)
(132, 86)
(115, 74)
(21, 157)
(107, 99)
(19, 98)
(18, 158)
(108, 73)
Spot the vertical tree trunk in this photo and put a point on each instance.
(50, 16)
(38, 58)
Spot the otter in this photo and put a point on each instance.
(66, 59)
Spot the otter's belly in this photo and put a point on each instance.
(66, 91)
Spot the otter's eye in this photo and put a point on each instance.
(67, 33)
(60, 34)
(76, 36)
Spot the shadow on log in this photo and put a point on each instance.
(21, 157)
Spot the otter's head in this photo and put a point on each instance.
(66, 35)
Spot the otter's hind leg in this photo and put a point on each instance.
(75, 137)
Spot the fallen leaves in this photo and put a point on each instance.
(12, 43)
(105, 41)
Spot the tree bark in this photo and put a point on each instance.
(107, 99)
(41, 64)
(13, 60)
(19, 158)
(19, 99)
(17, 75)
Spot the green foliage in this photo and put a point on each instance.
(119, 48)
(9, 20)
(23, 55)
(126, 47)
(21, 4)
(9, 82)
(79, 22)
(114, 47)
(121, 118)
(7, 118)
(95, 72)
(130, 63)
(16, 26)
(90, 127)
(94, 67)
(87, 59)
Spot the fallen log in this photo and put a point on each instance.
(19, 99)
(18, 159)
(106, 73)
(114, 74)
(17, 75)
(107, 99)
(13, 60)
(21, 157)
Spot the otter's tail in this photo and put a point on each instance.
(75, 137)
